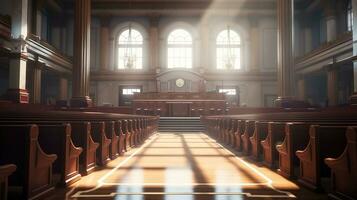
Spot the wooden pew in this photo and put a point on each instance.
(324, 141)
(238, 135)
(121, 143)
(259, 134)
(99, 136)
(275, 136)
(132, 132)
(19, 145)
(248, 132)
(227, 128)
(82, 137)
(215, 130)
(141, 129)
(296, 137)
(231, 133)
(56, 139)
(127, 134)
(343, 169)
(136, 132)
(211, 126)
(111, 131)
(5, 172)
(220, 133)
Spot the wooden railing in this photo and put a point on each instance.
(345, 37)
(50, 55)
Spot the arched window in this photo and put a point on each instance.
(349, 16)
(179, 49)
(228, 50)
(130, 49)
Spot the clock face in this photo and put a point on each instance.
(180, 82)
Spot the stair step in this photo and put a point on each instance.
(181, 124)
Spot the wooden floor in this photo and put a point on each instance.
(180, 166)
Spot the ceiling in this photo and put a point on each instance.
(179, 7)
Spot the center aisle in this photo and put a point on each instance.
(182, 166)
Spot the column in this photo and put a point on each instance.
(301, 88)
(81, 62)
(154, 41)
(104, 44)
(332, 83)
(353, 99)
(331, 20)
(18, 61)
(255, 41)
(63, 93)
(285, 53)
(37, 77)
(64, 39)
(308, 38)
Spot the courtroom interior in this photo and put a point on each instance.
(178, 99)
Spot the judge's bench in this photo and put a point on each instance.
(179, 104)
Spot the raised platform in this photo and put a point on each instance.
(180, 124)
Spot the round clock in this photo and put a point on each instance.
(180, 82)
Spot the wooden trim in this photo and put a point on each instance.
(48, 55)
(346, 37)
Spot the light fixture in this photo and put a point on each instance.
(129, 55)
(230, 57)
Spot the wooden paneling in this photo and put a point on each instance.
(179, 104)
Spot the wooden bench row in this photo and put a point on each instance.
(57, 148)
(306, 146)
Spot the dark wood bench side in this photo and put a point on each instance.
(260, 133)
(125, 126)
(119, 131)
(56, 139)
(276, 133)
(296, 137)
(325, 141)
(248, 132)
(99, 136)
(111, 133)
(5, 172)
(343, 169)
(238, 135)
(19, 145)
(232, 131)
(81, 136)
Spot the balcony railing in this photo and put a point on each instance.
(345, 37)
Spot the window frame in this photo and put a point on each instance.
(117, 46)
(124, 99)
(231, 99)
(225, 46)
(180, 46)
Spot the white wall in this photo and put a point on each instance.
(251, 92)
(108, 91)
(268, 34)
